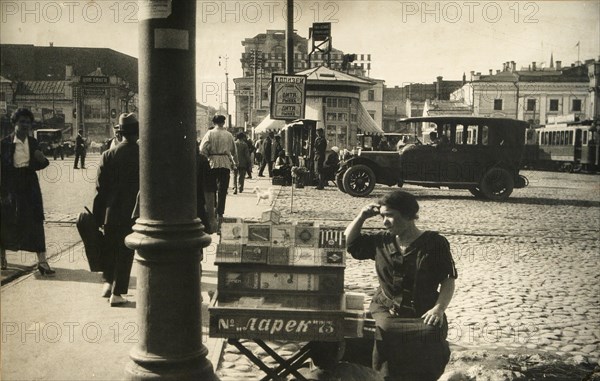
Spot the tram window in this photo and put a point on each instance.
(556, 140)
(484, 135)
(562, 138)
(585, 137)
(544, 137)
(571, 138)
(464, 134)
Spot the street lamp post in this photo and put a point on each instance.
(226, 89)
(168, 236)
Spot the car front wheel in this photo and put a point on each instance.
(497, 184)
(359, 180)
(339, 181)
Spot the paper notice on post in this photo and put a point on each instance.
(154, 9)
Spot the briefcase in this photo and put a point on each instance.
(93, 239)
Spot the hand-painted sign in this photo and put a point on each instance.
(288, 96)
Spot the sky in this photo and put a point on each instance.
(409, 41)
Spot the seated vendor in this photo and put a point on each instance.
(283, 166)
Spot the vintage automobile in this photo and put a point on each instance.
(51, 142)
(479, 154)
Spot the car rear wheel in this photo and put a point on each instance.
(339, 181)
(497, 184)
(359, 180)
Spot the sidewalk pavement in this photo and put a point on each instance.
(60, 328)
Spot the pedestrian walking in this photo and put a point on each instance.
(219, 146)
(22, 207)
(205, 190)
(251, 149)
(244, 161)
(411, 264)
(266, 156)
(320, 147)
(258, 150)
(116, 191)
(80, 150)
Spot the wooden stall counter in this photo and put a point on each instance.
(283, 282)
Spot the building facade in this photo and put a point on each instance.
(533, 94)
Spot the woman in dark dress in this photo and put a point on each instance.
(408, 309)
(22, 225)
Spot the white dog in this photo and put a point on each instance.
(264, 195)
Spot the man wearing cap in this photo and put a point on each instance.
(320, 147)
(116, 190)
(79, 150)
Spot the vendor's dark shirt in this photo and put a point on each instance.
(416, 275)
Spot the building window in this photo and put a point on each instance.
(497, 104)
(95, 109)
(531, 105)
(372, 113)
(553, 104)
(337, 102)
(337, 136)
(576, 106)
(371, 95)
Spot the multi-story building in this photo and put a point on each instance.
(264, 55)
(533, 94)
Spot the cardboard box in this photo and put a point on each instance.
(332, 238)
(282, 235)
(259, 234)
(279, 256)
(306, 236)
(254, 254)
(229, 253)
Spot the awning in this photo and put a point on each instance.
(269, 125)
(366, 123)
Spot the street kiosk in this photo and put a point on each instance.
(282, 281)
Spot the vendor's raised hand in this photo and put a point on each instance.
(434, 316)
(369, 211)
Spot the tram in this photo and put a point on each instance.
(567, 147)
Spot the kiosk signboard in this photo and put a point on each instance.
(288, 96)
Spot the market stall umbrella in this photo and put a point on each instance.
(269, 125)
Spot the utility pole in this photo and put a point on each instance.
(168, 236)
(289, 34)
(254, 72)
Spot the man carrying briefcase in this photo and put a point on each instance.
(116, 190)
